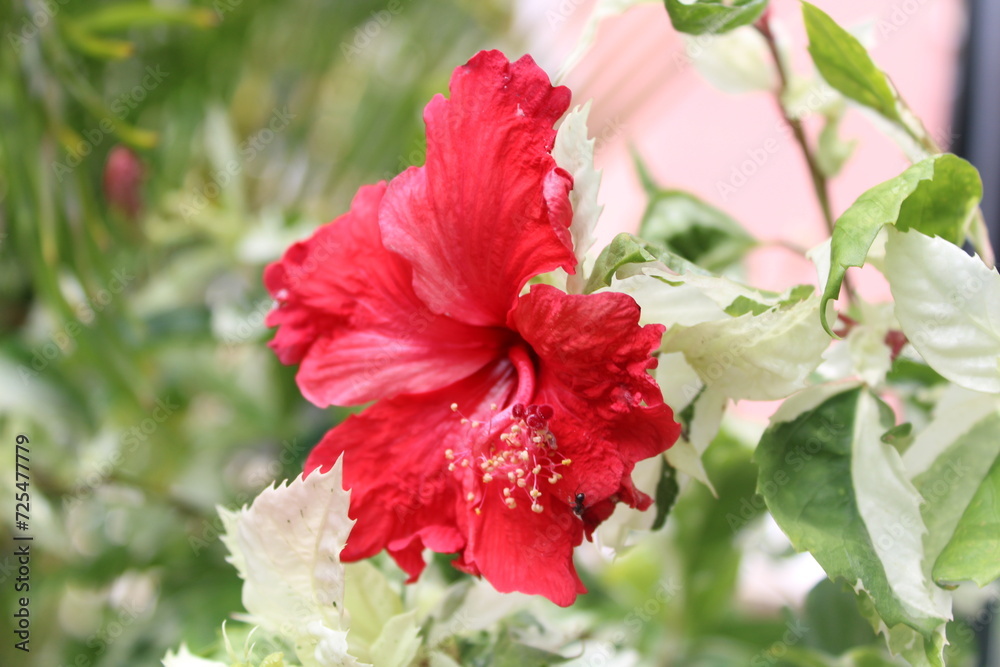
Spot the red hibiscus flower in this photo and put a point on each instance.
(506, 425)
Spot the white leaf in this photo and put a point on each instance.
(613, 535)
(679, 382)
(948, 305)
(399, 642)
(371, 600)
(668, 304)
(734, 62)
(756, 357)
(863, 352)
(681, 385)
(820, 257)
(686, 455)
(574, 152)
(184, 658)
(955, 413)
(286, 547)
(321, 646)
(889, 506)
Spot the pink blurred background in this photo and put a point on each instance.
(693, 136)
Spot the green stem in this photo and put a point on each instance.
(819, 181)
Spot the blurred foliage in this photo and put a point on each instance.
(133, 348)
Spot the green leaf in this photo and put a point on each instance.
(972, 553)
(832, 615)
(623, 249)
(141, 14)
(943, 206)
(945, 302)
(840, 493)
(712, 16)
(666, 493)
(928, 183)
(743, 305)
(694, 229)
(705, 526)
(846, 65)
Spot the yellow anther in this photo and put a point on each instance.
(537, 469)
(465, 463)
(487, 478)
(519, 472)
(511, 503)
(470, 496)
(478, 511)
(449, 454)
(451, 467)
(515, 429)
(464, 421)
(511, 476)
(454, 407)
(567, 462)
(506, 493)
(555, 478)
(522, 482)
(534, 493)
(536, 508)
(523, 455)
(537, 439)
(475, 424)
(493, 406)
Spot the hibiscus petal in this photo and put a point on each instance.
(520, 550)
(592, 345)
(347, 312)
(490, 209)
(403, 496)
(608, 410)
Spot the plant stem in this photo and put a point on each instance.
(819, 181)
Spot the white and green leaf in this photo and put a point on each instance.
(734, 62)
(937, 196)
(574, 152)
(954, 464)
(286, 547)
(948, 305)
(842, 494)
